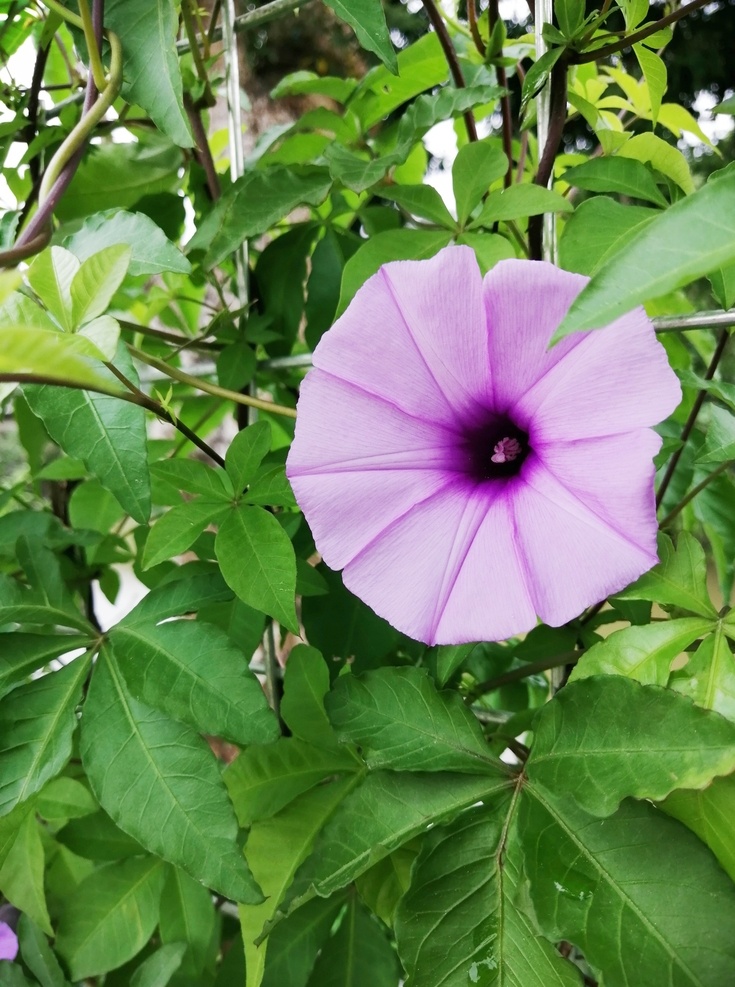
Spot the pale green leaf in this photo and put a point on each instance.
(104, 334)
(51, 275)
(654, 72)
(597, 230)
(643, 653)
(65, 798)
(419, 200)
(709, 677)
(625, 176)
(96, 282)
(477, 165)
(64, 358)
(151, 251)
(662, 156)
(519, 201)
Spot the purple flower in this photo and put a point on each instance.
(466, 477)
(8, 942)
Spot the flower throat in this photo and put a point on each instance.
(494, 450)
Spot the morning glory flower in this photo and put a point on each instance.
(8, 942)
(466, 478)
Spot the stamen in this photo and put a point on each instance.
(506, 451)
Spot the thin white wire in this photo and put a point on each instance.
(544, 14)
(234, 122)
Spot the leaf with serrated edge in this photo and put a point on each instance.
(606, 738)
(644, 652)
(399, 720)
(193, 672)
(598, 883)
(160, 783)
(111, 916)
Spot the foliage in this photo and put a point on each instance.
(218, 767)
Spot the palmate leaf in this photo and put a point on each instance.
(640, 895)
(37, 722)
(709, 813)
(294, 943)
(38, 955)
(462, 921)
(625, 176)
(605, 738)
(22, 872)
(160, 783)
(399, 721)
(188, 919)
(189, 592)
(160, 967)
(193, 672)
(21, 654)
(306, 683)
(695, 236)
(679, 580)
(107, 434)
(709, 675)
(111, 916)
(359, 954)
(476, 166)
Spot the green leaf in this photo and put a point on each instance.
(489, 248)
(246, 452)
(723, 285)
(103, 333)
(151, 73)
(709, 677)
(96, 282)
(306, 683)
(177, 530)
(570, 15)
(185, 594)
(444, 660)
(193, 672)
(158, 969)
(256, 202)
(477, 165)
(384, 247)
(643, 653)
(719, 446)
(461, 921)
(119, 175)
(538, 75)
(96, 837)
(21, 654)
(37, 722)
(107, 434)
(71, 360)
(51, 275)
(654, 72)
(303, 83)
(359, 954)
(607, 738)
(111, 916)
(22, 872)
(388, 809)
(419, 200)
(367, 19)
(274, 851)
(294, 943)
(692, 238)
(662, 156)
(187, 919)
(65, 798)
(194, 477)
(624, 176)
(19, 311)
(597, 883)
(38, 955)
(679, 580)
(151, 252)
(263, 779)
(519, 201)
(258, 562)
(399, 721)
(597, 230)
(709, 813)
(161, 784)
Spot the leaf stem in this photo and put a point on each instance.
(690, 422)
(694, 492)
(215, 389)
(451, 56)
(640, 35)
(532, 668)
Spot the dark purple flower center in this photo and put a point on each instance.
(495, 449)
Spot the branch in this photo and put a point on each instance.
(451, 56)
(689, 425)
(640, 35)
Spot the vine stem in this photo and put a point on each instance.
(505, 111)
(692, 418)
(451, 56)
(694, 492)
(214, 389)
(640, 35)
(90, 36)
(532, 668)
(557, 119)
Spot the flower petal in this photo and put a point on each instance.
(573, 558)
(341, 427)
(617, 379)
(613, 476)
(524, 303)
(446, 571)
